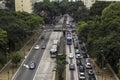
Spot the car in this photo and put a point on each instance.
(90, 72)
(87, 60)
(85, 56)
(91, 78)
(42, 37)
(77, 56)
(43, 46)
(78, 62)
(81, 76)
(80, 42)
(88, 66)
(77, 51)
(71, 55)
(32, 65)
(37, 47)
(81, 68)
(72, 66)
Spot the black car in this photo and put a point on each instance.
(91, 78)
(78, 62)
(43, 46)
(81, 68)
(72, 66)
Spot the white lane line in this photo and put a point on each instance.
(15, 75)
(67, 66)
(74, 61)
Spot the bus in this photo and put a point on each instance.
(69, 40)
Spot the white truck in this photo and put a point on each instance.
(54, 49)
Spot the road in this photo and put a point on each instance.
(47, 64)
(71, 74)
(46, 67)
(41, 57)
(34, 56)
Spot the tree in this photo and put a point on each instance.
(97, 8)
(10, 4)
(16, 58)
(3, 40)
(60, 67)
(118, 64)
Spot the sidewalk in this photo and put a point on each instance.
(103, 74)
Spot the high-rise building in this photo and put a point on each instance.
(88, 3)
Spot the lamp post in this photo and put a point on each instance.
(7, 54)
(103, 63)
(8, 75)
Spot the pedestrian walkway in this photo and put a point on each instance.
(103, 74)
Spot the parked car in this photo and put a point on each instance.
(78, 62)
(42, 37)
(81, 76)
(77, 56)
(88, 66)
(36, 47)
(77, 51)
(72, 66)
(91, 78)
(90, 72)
(32, 65)
(43, 46)
(81, 68)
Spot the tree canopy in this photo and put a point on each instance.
(15, 28)
(102, 34)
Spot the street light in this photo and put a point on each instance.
(7, 54)
(103, 62)
(8, 75)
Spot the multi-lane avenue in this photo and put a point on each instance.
(45, 65)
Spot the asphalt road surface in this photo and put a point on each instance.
(46, 67)
(34, 56)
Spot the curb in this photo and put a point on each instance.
(5, 65)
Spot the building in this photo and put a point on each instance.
(2, 4)
(23, 5)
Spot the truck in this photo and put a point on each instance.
(53, 51)
(54, 48)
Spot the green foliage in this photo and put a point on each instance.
(81, 25)
(118, 64)
(103, 34)
(15, 28)
(97, 8)
(60, 67)
(10, 4)
(3, 39)
(51, 9)
(16, 58)
(2, 59)
(19, 25)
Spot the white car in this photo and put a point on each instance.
(77, 51)
(71, 55)
(37, 47)
(88, 66)
(82, 76)
(32, 66)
